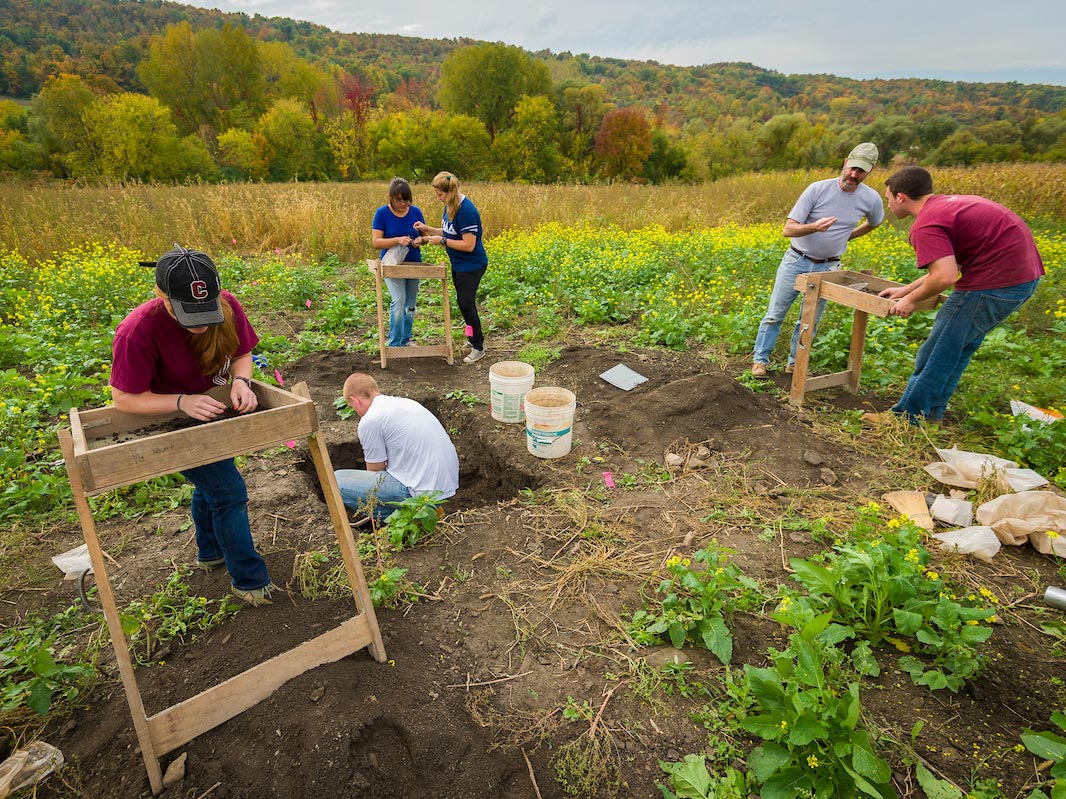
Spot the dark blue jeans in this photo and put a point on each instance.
(220, 513)
(961, 325)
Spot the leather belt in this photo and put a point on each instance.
(813, 260)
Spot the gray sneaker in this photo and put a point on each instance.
(474, 356)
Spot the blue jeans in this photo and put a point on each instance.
(784, 294)
(404, 292)
(960, 326)
(220, 514)
(361, 488)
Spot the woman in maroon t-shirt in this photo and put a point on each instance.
(167, 353)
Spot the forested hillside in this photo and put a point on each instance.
(272, 98)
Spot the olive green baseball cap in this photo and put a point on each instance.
(864, 156)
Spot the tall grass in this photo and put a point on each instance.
(39, 220)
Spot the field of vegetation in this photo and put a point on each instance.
(671, 268)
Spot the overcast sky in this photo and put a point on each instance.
(974, 40)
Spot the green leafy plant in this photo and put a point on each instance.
(414, 518)
(392, 589)
(880, 588)
(807, 713)
(721, 718)
(689, 779)
(172, 612)
(344, 410)
(538, 355)
(694, 603)
(1050, 746)
(1035, 444)
(465, 397)
(576, 711)
(35, 667)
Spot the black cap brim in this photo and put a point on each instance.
(198, 314)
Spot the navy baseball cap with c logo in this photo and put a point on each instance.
(190, 281)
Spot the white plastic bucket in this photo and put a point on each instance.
(550, 421)
(508, 383)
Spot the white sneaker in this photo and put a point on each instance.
(474, 356)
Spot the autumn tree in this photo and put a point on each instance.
(666, 159)
(243, 154)
(528, 151)
(961, 148)
(12, 135)
(132, 137)
(486, 81)
(399, 142)
(347, 131)
(212, 78)
(460, 144)
(622, 144)
(297, 150)
(56, 126)
(582, 109)
(287, 75)
(790, 141)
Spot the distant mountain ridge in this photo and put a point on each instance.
(106, 39)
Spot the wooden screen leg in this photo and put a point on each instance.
(339, 516)
(381, 317)
(858, 342)
(114, 625)
(447, 303)
(806, 337)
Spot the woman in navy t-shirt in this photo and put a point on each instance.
(460, 234)
(394, 223)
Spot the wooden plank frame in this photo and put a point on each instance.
(421, 271)
(110, 466)
(846, 288)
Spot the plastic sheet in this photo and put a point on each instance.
(970, 469)
(394, 255)
(952, 510)
(1028, 516)
(981, 542)
(28, 766)
(73, 562)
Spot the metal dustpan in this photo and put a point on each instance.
(623, 377)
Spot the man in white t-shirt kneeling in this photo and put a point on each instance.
(408, 452)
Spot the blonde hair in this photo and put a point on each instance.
(360, 385)
(215, 347)
(449, 184)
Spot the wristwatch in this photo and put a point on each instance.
(247, 380)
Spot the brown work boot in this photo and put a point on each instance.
(759, 370)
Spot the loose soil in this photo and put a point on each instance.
(525, 585)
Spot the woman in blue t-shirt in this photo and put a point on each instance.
(460, 234)
(394, 224)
